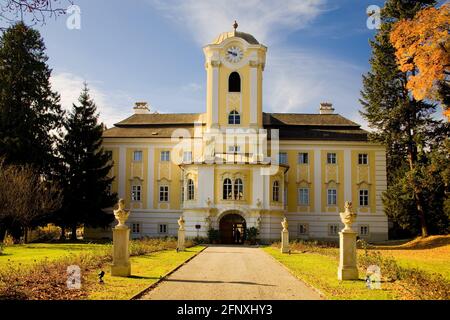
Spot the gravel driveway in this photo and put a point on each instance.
(232, 273)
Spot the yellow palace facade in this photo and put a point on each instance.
(235, 167)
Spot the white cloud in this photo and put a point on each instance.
(112, 106)
(265, 19)
(296, 80)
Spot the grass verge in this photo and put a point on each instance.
(146, 270)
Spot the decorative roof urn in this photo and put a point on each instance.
(348, 217)
(121, 215)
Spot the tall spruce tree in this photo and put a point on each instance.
(405, 126)
(29, 109)
(84, 169)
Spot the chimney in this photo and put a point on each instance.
(141, 108)
(326, 108)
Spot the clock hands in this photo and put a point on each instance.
(232, 53)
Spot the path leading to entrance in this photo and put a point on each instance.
(232, 273)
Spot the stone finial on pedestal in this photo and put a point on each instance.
(121, 215)
(347, 245)
(348, 216)
(285, 236)
(181, 234)
(121, 266)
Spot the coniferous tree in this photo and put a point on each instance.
(84, 169)
(405, 126)
(29, 109)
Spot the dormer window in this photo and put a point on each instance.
(234, 117)
(234, 82)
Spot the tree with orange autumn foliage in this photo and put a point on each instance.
(422, 47)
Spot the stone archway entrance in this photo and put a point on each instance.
(232, 228)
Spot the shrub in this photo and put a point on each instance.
(46, 234)
(213, 235)
(252, 234)
(1, 248)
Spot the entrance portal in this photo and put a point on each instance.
(232, 229)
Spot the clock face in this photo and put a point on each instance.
(234, 54)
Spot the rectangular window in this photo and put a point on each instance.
(163, 193)
(165, 155)
(333, 229)
(136, 228)
(302, 229)
(331, 158)
(303, 196)
(303, 158)
(162, 228)
(363, 158)
(135, 193)
(182, 192)
(187, 156)
(363, 198)
(234, 149)
(364, 230)
(137, 156)
(282, 158)
(332, 197)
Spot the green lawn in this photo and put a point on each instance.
(145, 271)
(320, 272)
(28, 254)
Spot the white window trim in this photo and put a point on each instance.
(328, 197)
(141, 155)
(140, 192)
(367, 159)
(306, 226)
(168, 193)
(140, 227)
(299, 198)
(329, 229)
(165, 152)
(368, 230)
(368, 198)
(163, 224)
(307, 157)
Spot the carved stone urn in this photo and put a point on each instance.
(121, 215)
(348, 217)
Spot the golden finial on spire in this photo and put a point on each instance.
(235, 25)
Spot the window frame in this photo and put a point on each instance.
(360, 227)
(305, 227)
(164, 192)
(333, 232)
(234, 118)
(276, 191)
(281, 156)
(166, 227)
(330, 193)
(238, 187)
(163, 157)
(363, 159)
(231, 85)
(190, 190)
(299, 197)
(364, 197)
(227, 189)
(136, 230)
(138, 152)
(303, 158)
(331, 158)
(136, 193)
(187, 159)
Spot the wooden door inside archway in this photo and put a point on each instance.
(232, 229)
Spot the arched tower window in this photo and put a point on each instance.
(227, 189)
(234, 117)
(190, 190)
(234, 82)
(238, 189)
(276, 191)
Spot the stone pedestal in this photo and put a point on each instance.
(285, 241)
(181, 240)
(347, 256)
(121, 266)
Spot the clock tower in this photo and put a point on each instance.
(235, 63)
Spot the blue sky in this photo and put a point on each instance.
(151, 50)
